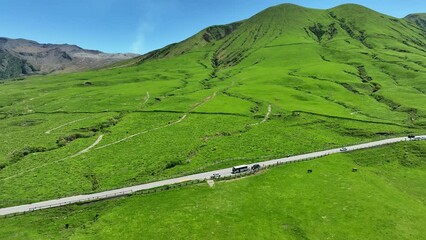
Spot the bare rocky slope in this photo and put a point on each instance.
(19, 57)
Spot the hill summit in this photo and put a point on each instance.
(290, 24)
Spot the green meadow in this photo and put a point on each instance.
(384, 199)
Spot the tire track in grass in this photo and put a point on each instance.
(99, 139)
(66, 124)
(161, 127)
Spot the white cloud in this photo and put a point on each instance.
(139, 44)
(151, 12)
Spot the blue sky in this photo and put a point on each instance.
(143, 25)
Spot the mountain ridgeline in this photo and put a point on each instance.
(20, 57)
(349, 24)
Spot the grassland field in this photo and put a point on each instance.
(309, 112)
(384, 199)
(203, 105)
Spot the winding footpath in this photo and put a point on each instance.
(60, 160)
(266, 116)
(66, 124)
(160, 127)
(146, 99)
(200, 176)
(90, 147)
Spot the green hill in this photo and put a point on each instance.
(418, 18)
(286, 81)
(288, 23)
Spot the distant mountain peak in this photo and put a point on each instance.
(22, 57)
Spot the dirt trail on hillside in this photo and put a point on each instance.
(60, 160)
(265, 118)
(143, 132)
(99, 139)
(90, 147)
(161, 127)
(146, 98)
(66, 124)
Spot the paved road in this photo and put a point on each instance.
(199, 176)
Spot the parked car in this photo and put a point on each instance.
(255, 167)
(215, 176)
(343, 149)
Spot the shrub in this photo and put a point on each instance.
(19, 154)
(2, 165)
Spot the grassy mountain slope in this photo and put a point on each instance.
(385, 199)
(417, 18)
(330, 77)
(200, 40)
(345, 38)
